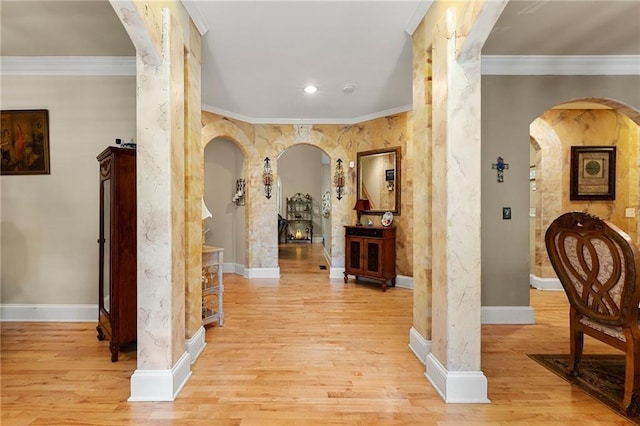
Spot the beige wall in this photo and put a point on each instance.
(337, 141)
(50, 222)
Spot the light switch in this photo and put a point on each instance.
(630, 212)
(532, 212)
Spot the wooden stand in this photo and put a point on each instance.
(212, 285)
(370, 252)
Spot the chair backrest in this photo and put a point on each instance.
(597, 264)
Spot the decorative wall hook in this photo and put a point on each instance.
(338, 179)
(267, 178)
(500, 166)
(238, 197)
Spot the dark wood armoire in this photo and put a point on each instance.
(117, 293)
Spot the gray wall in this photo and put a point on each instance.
(223, 165)
(509, 105)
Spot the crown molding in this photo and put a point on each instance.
(346, 121)
(196, 16)
(560, 65)
(418, 15)
(68, 65)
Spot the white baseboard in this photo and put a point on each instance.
(262, 273)
(234, 268)
(160, 385)
(507, 315)
(336, 273)
(196, 344)
(403, 281)
(457, 387)
(545, 283)
(420, 346)
(49, 313)
(319, 239)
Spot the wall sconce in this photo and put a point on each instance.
(267, 178)
(338, 179)
(238, 197)
(360, 206)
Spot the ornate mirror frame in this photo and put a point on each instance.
(379, 180)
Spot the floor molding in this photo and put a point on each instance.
(160, 385)
(49, 313)
(457, 387)
(507, 315)
(196, 344)
(262, 272)
(420, 346)
(545, 283)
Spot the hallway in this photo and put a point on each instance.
(302, 258)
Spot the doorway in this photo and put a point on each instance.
(303, 178)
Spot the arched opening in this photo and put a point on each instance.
(304, 232)
(224, 165)
(582, 122)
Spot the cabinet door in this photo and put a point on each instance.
(354, 255)
(373, 257)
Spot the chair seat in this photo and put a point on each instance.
(608, 330)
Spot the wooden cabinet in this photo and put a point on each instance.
(117, 301)
(300, 218)
(370, 252)
(212, 285)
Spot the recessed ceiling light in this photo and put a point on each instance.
(311, 89)
(348, 88)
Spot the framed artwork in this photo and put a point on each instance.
(25, 142)
(593, 173)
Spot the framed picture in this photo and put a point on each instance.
(593, 173)
(25, 142)
(389, 174)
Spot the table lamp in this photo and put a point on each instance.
(361, 205)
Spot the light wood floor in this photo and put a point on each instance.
(299, 350)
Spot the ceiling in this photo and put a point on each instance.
(258, 56)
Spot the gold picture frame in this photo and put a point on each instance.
(24, 142)
(593, 173)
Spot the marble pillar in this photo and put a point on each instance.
(453, 366)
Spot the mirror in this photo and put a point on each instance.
(379, 180)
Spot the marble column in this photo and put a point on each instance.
(194, 190)
(453, 366)
(163, 364)
(420, 151)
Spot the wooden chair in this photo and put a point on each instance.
(598, 266)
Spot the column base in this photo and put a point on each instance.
(456, 387)
(160, 385)
(196, 344)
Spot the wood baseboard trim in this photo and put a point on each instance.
(457, 387)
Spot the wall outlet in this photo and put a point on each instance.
(506, 213)
(630, 212)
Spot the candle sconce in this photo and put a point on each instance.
(267, 178)
(238, 197)
(338, 179)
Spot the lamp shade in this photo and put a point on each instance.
(362, 205)
(205, 211)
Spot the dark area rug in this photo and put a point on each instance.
(601, 377)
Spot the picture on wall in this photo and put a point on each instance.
(593, 173)
(25, 142)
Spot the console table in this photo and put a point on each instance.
(370, 252)
(212, 285)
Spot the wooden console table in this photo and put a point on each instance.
(370, 252)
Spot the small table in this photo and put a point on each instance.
(212, 286)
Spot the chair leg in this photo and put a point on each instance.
(576, 346)
(630, 401)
